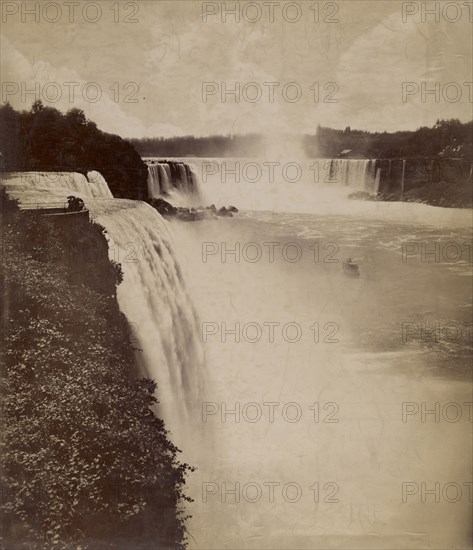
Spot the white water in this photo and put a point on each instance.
(99, 186)
(182, 186)
(158, 180)
(153, 294)
(369, 373)
(154, 298)
(246, 184)
(43, 187)
(360, 174)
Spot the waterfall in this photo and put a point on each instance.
(153, 294)
(377, 180)
(183, 177)
(98, 185)
(159, 180)
(154, 299)
(357, 173)
(154, 186)
(164, 178)
(168, 177)
(403, 175)
(44, 187)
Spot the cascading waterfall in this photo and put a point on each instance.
(158, 180)
(403, 175)
(165, 177)
(357, 173)
(152, 296)
(183, 176)
(92, 186)
(49, 187)
(98, 185)
(154, 299)
(282, 185)
(377, 180)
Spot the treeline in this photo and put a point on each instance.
(447, 139)
(84, 461)
(191, 146)
(45, 139)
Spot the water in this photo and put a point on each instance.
(359, 173)
(349, 363)
(309, 186)
(360, 371)
(174, 180)
(46, 187)
(154, 298)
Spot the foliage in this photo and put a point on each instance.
(85, 462)
(45, 139)
(209, 146)
(448, 139)
(75, 204)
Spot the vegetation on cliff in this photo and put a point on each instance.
(85, 463)
(44, 139)
(446, 139)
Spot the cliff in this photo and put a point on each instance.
(44, 139)
(84, 459)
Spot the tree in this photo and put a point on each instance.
(37, 107)
(45, 139)
(75, 204)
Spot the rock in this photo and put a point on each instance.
(362, 195)
(190, 214)
(185, 214)
(165, 208)
(224, 212)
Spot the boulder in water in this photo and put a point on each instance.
(165, 208)
(224, 212)
(362, 196)
(212, 208)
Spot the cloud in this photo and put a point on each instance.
(41, 80)
(372, 71)
(171, 52)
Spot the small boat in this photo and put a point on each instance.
(350, 269)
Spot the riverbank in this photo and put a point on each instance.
(444, 194)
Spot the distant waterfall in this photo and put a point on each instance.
(165, 177)
(403, 175)
(360, 174)
(154, 298)
(92, 186)
(159, 180)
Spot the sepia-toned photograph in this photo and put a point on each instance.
(236, 275)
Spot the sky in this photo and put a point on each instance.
(139, 69)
